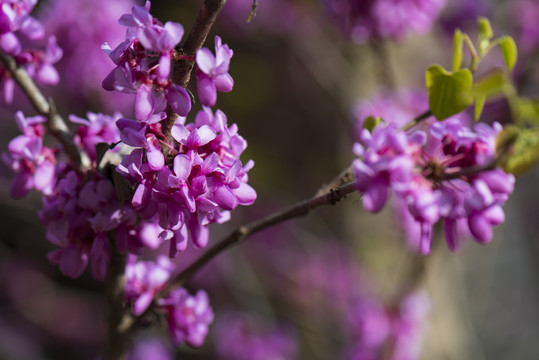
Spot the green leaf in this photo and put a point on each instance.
(449, 93)
(457, 50)
(479, 104)
(520, 149)
(371, 122)
(491, 83)
(485, 30)
(509, 51)
(485, 34)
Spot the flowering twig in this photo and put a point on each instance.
(300, 209)
(184, 59)
(55, 124)
(184, 56)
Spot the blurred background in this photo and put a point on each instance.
(341, 283)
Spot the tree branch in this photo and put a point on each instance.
(184, 56)
(243, 232)
(56, 126)
(182, 64)
(119, 320)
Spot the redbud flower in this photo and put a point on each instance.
(144, 279)
(212, 74)
(188, 316)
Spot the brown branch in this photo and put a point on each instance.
(346, 176)
(183, 62)
(252, 14)
(56, 126)
(120, 321)
(243, 232)
(184, 56)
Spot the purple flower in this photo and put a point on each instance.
(78, 216)
(14, 17)
(98, 128)
(39, 64)
(188, 317)
(212, 74)
(199, 185)
(136, 70)
(414, 165)
(33, 163)
(144, 279)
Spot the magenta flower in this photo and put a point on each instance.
(33, 163)
(136, 70)
(411, 164)
(144, 279)
(96, 129)
(188, 317)
(212, 74)
(15, 17)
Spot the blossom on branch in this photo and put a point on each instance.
(432, 180)
(212, 72)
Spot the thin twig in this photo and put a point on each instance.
(56, 126)
(343, 178)
(424, 115)
(243, 232)
(252, 14)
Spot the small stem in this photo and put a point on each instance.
(468, 171)
(344, 177)
(55, 125)
(252, 14)
(424, 115)
(475, 57)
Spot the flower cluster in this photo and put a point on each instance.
(78, 215)
(188, 317)
(143, 279)
(432, 173)
(33, 162)
(194, 177)
(204, 182)
(97, 128)
(140, 71)
(77, 210)
(15, 21)
(363, 20)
